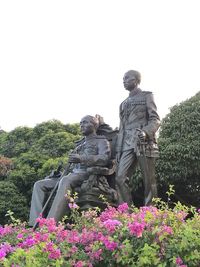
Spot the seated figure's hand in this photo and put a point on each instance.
(142, 136)
(74, 158)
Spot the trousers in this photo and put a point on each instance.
(125, 170)
(59, 206)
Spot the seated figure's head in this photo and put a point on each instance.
(89, 125)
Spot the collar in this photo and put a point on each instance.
(135, 92)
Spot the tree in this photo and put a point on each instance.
(5, 167)
(11, 199)
(179, 143)
(33, 153)
(18, 141)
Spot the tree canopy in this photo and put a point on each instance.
(29, 154)
(179, 143)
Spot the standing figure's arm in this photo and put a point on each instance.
(152, 116)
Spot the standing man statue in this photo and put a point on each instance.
(136, 142)
(93, 150)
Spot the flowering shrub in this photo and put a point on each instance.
(147, 236)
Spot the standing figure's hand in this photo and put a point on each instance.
(142, 136)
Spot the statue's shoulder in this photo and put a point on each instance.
(147, 95)
(146, 92)
(100, 137)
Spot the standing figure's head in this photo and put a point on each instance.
(89, 125)
(131, 79)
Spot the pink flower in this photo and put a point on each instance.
(79, 264)
(55, 254)
(29, 242)
(5, 230)
(20, 236)
(167, 229)
(73, 249)
(5, 248)
(179, 261)
(111, 225)
(109, 213)
(2, 254)
(136, 228)
(95, 255)
(123, 207)
(73, 206)
(110, 245)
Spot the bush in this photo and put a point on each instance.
(148, 236)
(11, 199)
(179, 144)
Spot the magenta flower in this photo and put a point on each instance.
(179, 262)
(110, 245)
(2, 254)
(167, 229)
(55, 254)
(79, 264)
(20, 236)
(5, 230)
(123, 207)
(111, 225)
(73, 206)
(95, 255)
(5, 248)
(109, 213)
(136, 228)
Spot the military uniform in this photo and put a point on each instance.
(137, 112)
(94, 151)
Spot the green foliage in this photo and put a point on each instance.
(5, 167)
(36, 258)
(145, 237)
(11, 199)
(179, 144)
(33, 153)
(16, 142)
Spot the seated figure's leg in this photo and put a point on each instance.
(59, 206)
(40, 189)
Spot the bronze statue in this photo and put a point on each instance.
(136, 142)
(92, 151)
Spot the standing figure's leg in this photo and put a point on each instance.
(59, 206)
(40, 190)
(147, 166)
(125, 170)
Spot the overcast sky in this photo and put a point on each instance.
(65, 59)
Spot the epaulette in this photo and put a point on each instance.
(147, 92)
(100, 137)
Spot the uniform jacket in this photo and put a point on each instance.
(94, 151)
(138, 111)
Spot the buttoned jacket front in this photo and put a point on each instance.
(138, 111)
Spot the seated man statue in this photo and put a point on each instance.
(93, 150)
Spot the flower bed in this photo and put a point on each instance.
(116, 237)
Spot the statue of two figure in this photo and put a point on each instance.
(104, 160)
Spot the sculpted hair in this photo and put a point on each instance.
(136, 74)
(93, 120)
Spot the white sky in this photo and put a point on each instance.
(65, 59)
